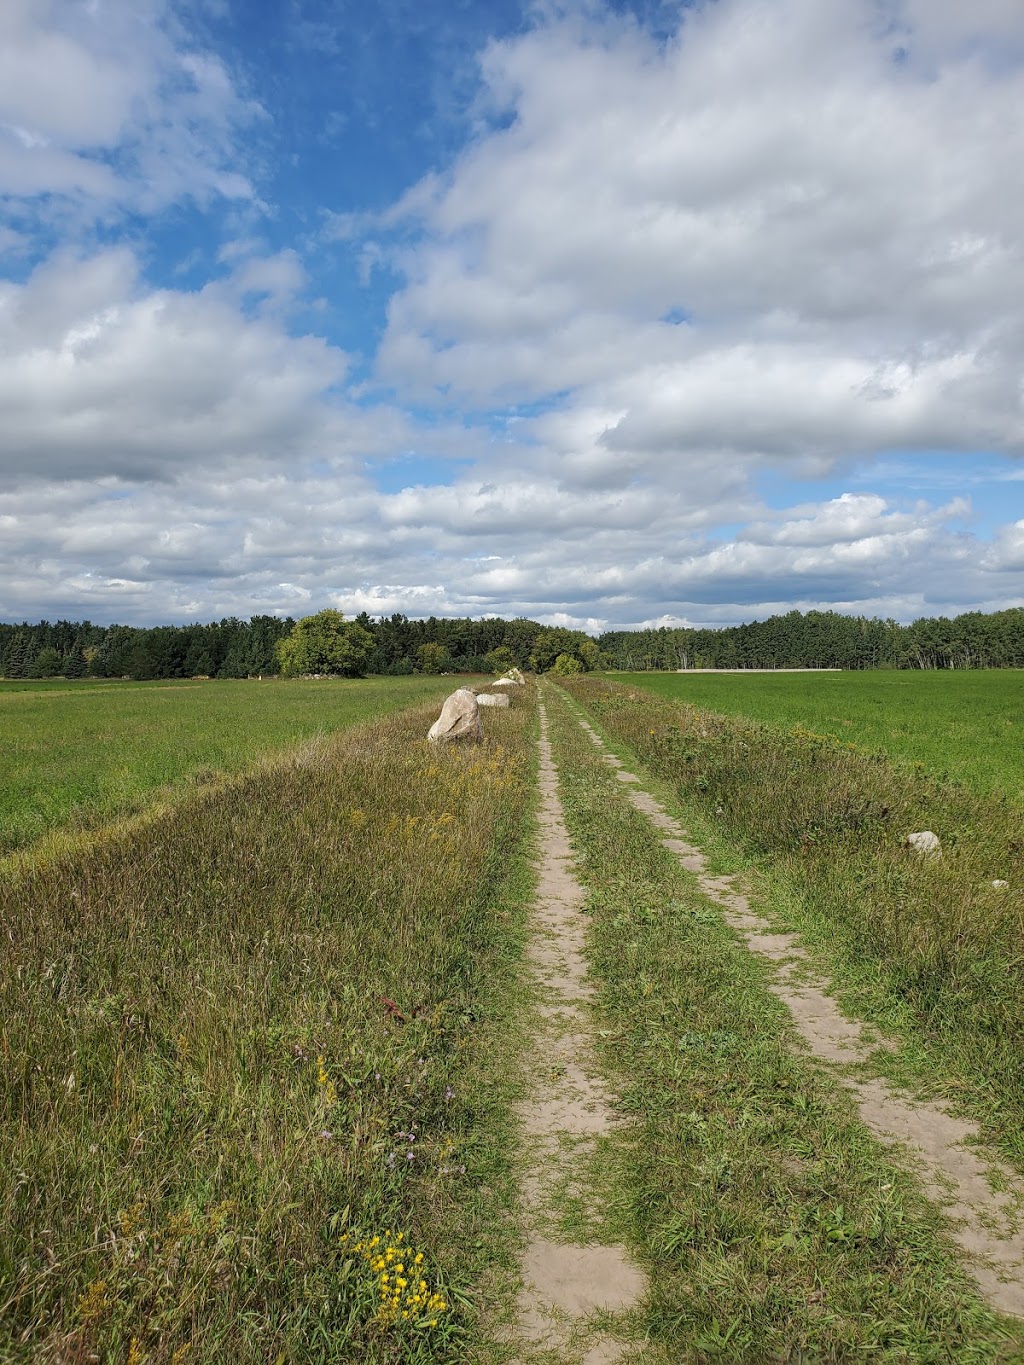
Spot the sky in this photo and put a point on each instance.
(605, 314)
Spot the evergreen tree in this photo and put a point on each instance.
(76, 664)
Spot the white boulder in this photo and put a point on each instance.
(508, 682)
(924, 842)
(492, 699)
(459, 718)
(999, 884)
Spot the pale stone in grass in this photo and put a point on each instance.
(1000, 885)
(925, 842)
(493, 699)
(459, 718)
(506, 682)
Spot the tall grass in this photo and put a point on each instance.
(246, 1039)
(955, 722)
(77, 754)
(938, 942)
(772, 1226)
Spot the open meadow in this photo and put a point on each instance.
(929, 948)
(251, 1102)
(76, 754)
(266, 1046)
(966, 724)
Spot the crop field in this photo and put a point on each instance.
(968, 725)
(247, 1050)
(77, 754)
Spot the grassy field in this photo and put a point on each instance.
(772, 1226)
(926, 948)
(969, 725)
(77, 754)
(256, 1084)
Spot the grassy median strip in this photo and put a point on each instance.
(256, 1084)
(772, 1224)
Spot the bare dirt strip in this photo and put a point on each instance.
(982, 1197)
(565, 1284)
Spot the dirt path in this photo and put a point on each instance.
(958, 1177)
(564, 1284)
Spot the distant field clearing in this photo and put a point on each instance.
(965, 724)
(76, 755)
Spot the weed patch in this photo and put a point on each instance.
(76, 755)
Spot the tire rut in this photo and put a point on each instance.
(564, 1284)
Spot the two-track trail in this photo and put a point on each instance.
(979, 1194)
(571, 1292)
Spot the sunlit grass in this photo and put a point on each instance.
(265, 1019)
(77, 754)
(771, 1224)
(931, 947)
(965, 724)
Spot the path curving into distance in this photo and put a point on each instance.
(957, 1177)
(564, 1283)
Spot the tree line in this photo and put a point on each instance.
(269, 645)
(828, 639)
(264, 645)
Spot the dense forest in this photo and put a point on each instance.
(232, 648)
(827, 639)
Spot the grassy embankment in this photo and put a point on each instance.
(76, 755)
(961, 724)
(925, 948)
(770, 1222)
(210, 1111)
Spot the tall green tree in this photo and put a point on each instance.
(325, 643)
(433, 658)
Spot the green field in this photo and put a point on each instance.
(967, 725)
(78, 754)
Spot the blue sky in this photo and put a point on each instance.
(605, 314)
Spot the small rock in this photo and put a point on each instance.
(925, 842)
(492, 699)
(1000, 885)
(459, 718)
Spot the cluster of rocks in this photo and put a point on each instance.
(460, 714)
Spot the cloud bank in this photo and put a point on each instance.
(675, 308)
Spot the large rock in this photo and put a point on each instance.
(492, 699)
(924, 842)
(459, 718)
(508, 681)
